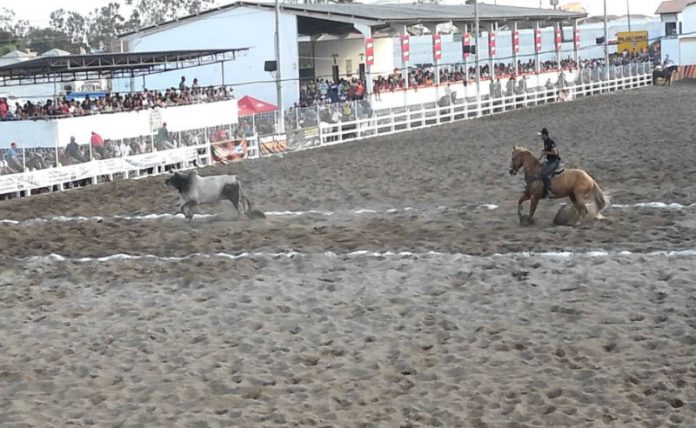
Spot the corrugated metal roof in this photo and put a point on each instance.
(429, 12)
(109, 65)
(380, 14)
(672, 6)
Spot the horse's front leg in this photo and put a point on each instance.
(532, 207)
(521, 201)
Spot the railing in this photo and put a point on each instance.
(363, 123)
(390, 121)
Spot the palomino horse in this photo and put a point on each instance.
(575, 184)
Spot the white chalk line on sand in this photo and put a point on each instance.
(362, 211)
(359, 254)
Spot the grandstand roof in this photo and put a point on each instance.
(69, 68)
(386, 14)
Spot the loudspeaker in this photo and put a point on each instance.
(471, 49)
(361, 70)
(600, 40)
(269, 66)
(334, 73)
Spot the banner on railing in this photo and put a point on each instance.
(304, 138)
(405, 48)
(559, 39)
(466, 44)
(273, 144)
(369, 51)
(437, 47)
(229, 150)
(577, 38)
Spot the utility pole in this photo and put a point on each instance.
(606, 43)
(279, 84)
(478, 52)
(628, 15)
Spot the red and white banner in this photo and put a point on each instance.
(369, 51)
(437, 47)
(405, 48)
(537, 40)
(491, 44)
(516, 42)
(577, 38)
(466, 44)
(559, 40)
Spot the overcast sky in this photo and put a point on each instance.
(37, 11)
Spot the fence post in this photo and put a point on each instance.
(391, 115)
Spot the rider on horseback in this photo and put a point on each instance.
(553, 160)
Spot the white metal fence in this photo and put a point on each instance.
(418, 116)
(320, 133)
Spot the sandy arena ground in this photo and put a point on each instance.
(385, 289)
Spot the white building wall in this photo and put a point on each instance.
(233, 28)
(687, 51)
(348, 54)
(384, 56)
(670, 48)
(689, 20)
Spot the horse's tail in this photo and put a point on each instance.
(601, 200)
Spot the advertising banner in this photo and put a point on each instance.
(273, 144)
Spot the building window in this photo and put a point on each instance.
(670, 29)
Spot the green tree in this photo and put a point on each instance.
(44, 39)
(151, 12)
(11, 31)
(72, 24)
(104, 24)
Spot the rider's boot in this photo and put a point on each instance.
(547, 186)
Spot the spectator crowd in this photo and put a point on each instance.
(114, 102)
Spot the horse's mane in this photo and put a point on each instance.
(523, 150)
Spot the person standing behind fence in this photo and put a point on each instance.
(162, 138)
(73, 151)
(97, 143)
(12, 158)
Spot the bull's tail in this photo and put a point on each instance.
(600, 199)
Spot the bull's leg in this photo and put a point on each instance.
(187, 210)
(232, 193)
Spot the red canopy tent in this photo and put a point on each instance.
(249, 106)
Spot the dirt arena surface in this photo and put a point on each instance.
(388, 286)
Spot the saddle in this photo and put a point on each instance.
(546, 180)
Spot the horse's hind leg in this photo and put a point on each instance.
(580, 204)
